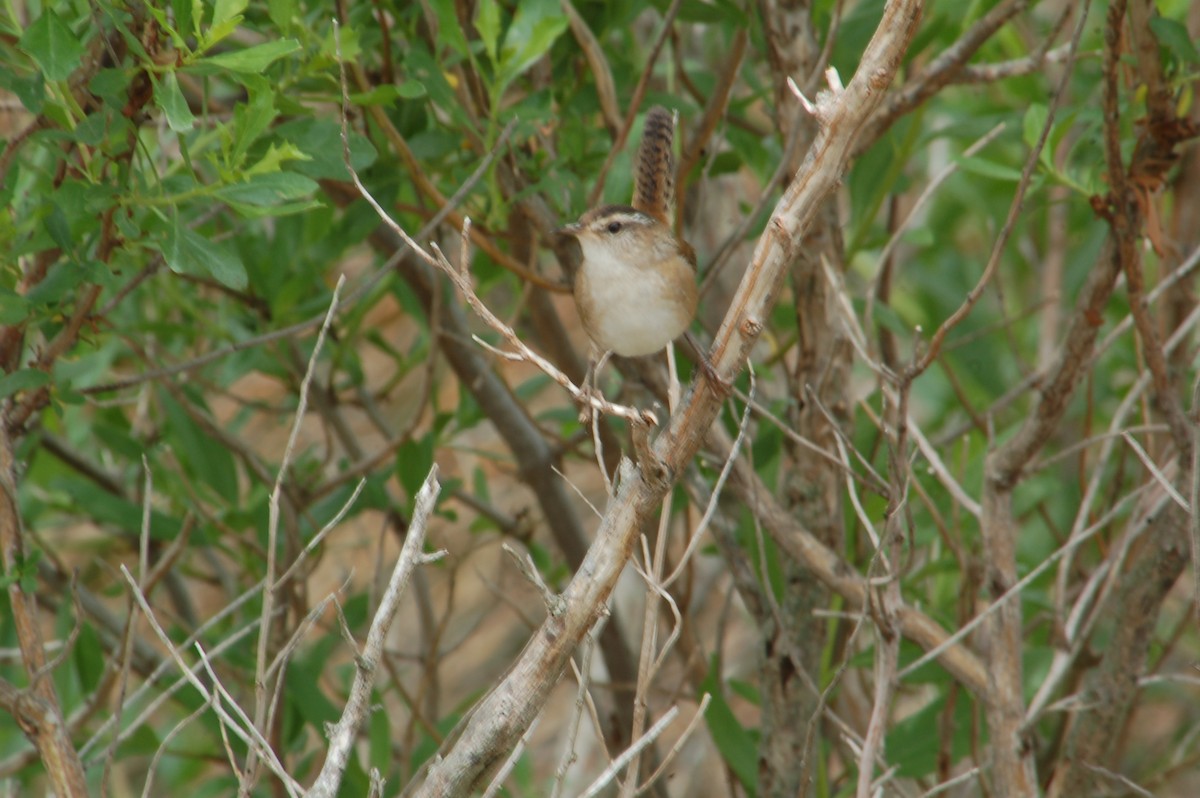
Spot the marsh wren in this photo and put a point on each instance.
(636, 285)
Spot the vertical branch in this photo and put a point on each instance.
(887, 650)
(262, 704)
(37, 709)
(646, 670)
(811, 486)
(1110, 689)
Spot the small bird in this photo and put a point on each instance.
(636, 285)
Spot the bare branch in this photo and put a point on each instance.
(344, 732)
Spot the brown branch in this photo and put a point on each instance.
(110, 45)
(37, 710)
(1013, 770)
(1160, 140)
(431, 192)
(1160, 106)
(816, 379)
(841, 578)
(606, 89)
(337, 193)
(889, 554)
(536, 459)
(1015, 68)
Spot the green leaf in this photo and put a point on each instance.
(1175, 37)
(379, 740)
(30, 89)
(275, 157)
(252, 119)
(186, 16)
(380, 95)
(22, 380)
(534, 28)
(217, 33)
(225, 10)
(112, 85)
(915, 742)
(187, 252)
(89, 657)
(320, 142)
(83, 495)
(63, 278)
(96, 126)
(746, 690)
(487, 23)
(986, 168)
(24, 570)
(84, 203)
(385, 95)
(737, 745)
(252, 60)
(728, 15)
(449, 32)
(203, 456)
(169, 98)
(14, 308)
(347, 41)
(411, 89)
(281, 12)
(413, 460)
(269, 189)
(50, 42)
(1035, 120)
(59, 229)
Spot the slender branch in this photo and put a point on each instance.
(344, 732)
(268, 603)
(38, 708)
(606, 89)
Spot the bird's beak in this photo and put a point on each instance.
(571, 230)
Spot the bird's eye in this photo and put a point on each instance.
(614, 227)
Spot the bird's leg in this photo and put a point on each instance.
(591, 384)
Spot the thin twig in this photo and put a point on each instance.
(248, 735)
(675, 749)
(620, 762)
(583, 675)
(268, 599)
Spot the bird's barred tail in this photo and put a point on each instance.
(654, 170)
